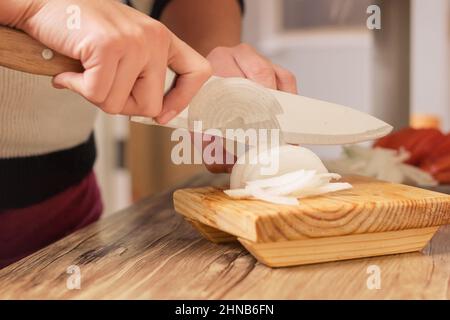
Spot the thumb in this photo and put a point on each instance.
(69, 80)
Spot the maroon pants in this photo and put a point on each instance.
(24, 231)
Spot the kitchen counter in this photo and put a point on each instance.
(150, 252)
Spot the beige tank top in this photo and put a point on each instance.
(37, 119)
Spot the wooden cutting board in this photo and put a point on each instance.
(374, 218)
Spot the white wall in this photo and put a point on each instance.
(330, 65)
(337, 66)
(430, 58)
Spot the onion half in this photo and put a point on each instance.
(300, 174)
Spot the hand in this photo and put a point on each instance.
(125, 55)
(244, 61)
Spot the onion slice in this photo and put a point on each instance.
(279, 180)
(288, 158)
(288, 188)
(331, 187)
(268, 197)
(285, 188)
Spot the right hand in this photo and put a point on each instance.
(125, 55)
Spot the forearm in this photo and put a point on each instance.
(14, 12)
(205, 24)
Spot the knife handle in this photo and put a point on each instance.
(19, 51)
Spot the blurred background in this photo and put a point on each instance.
(399, 73)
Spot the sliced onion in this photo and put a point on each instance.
(249, 167)
(300, 174)
(288, 188)
(331, 187)
(238, 193)
(261, 195)
(278, 181)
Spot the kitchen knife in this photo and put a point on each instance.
(302, 120)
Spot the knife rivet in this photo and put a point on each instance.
(47, 54)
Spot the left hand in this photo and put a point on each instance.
(245, 62)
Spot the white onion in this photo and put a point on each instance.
(331, 187)
(293, 186)
(249, 166)
(230, 108)
(277, 181)
(238, 193)
(268, 197)
(300, 174)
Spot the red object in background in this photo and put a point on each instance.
(437, 165)
(443, 177)
(394, 140)
(418, 142)
(439, 150)
(429, 149)
(426, 141)
(439, 168)
(437, 162)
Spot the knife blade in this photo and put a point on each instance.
(309, 121)
(302, 120)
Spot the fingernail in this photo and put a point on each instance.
(166, 117)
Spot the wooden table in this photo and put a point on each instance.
(149, 252)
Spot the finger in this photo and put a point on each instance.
(94, 84)
(192, 70)
(255, 66)
(224, 166)
(223, 63)
(222, 163)
(127, 74)
(148, 92)
(286, 80)
(219, 168)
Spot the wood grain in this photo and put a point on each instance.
(212, 234)
(149, 252)
(371, 206)
(307, 251)
(20, 52)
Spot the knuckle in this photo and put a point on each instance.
(287, 75)
(157, 30)
(110, 108)
(95, 96)
(245, 47)
(150, 112)
(149, 106)
(111, 44)
(262, 70)
(291, 77)
(219, 51)
(206, 70)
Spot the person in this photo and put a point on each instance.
(47, 150)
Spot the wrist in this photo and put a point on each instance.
(16, 13)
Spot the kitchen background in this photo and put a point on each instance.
(398, 73)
